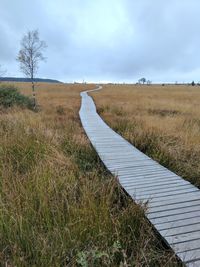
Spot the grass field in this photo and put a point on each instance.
(162, 121)
(58, 205)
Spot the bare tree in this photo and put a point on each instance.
(29, 56)
(142, 80)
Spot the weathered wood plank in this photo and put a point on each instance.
(183, 237)
(146, 183)
(175, 217)
(174, 224)
(195, 263)
(180, 230)
(186, 246)
(154, 195)
(156, 212)
(191, 257)
(155, 185)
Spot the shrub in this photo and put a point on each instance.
(10, 96)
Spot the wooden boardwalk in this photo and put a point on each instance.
(173, 203)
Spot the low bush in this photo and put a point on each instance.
(10, 96)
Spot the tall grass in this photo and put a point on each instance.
(58, 204)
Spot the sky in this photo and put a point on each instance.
(106, 40)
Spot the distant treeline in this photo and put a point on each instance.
(13, 79)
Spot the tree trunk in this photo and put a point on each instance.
(33, 92)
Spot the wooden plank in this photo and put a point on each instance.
(135, 170)
(143, 178)
(193, 263)
(175, 224)
(120, 154)
(127, 163)
(164, 190)
(172, 201)
(156, 212)
(192, 194)
(180, 230)
(186, 246)
(156, 195)
(129, 158)
(147, 179)
(139, 171)
(160, 174)
(156, 185)
(183, 237)
(190, 255)
(175, 217)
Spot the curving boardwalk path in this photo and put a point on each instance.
(174, 204)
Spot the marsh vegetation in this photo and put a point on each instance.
(58, 204)
(163, 122)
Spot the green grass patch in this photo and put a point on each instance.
(10, 96)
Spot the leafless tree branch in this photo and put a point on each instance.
(30, 54)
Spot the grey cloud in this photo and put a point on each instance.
(117, 40)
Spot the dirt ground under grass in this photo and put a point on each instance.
(58, 204)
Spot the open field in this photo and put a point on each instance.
(162, 121)
(58, 205)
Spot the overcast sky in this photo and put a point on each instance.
(106, 40)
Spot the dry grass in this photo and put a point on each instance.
(58, 205)
(162, 121)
